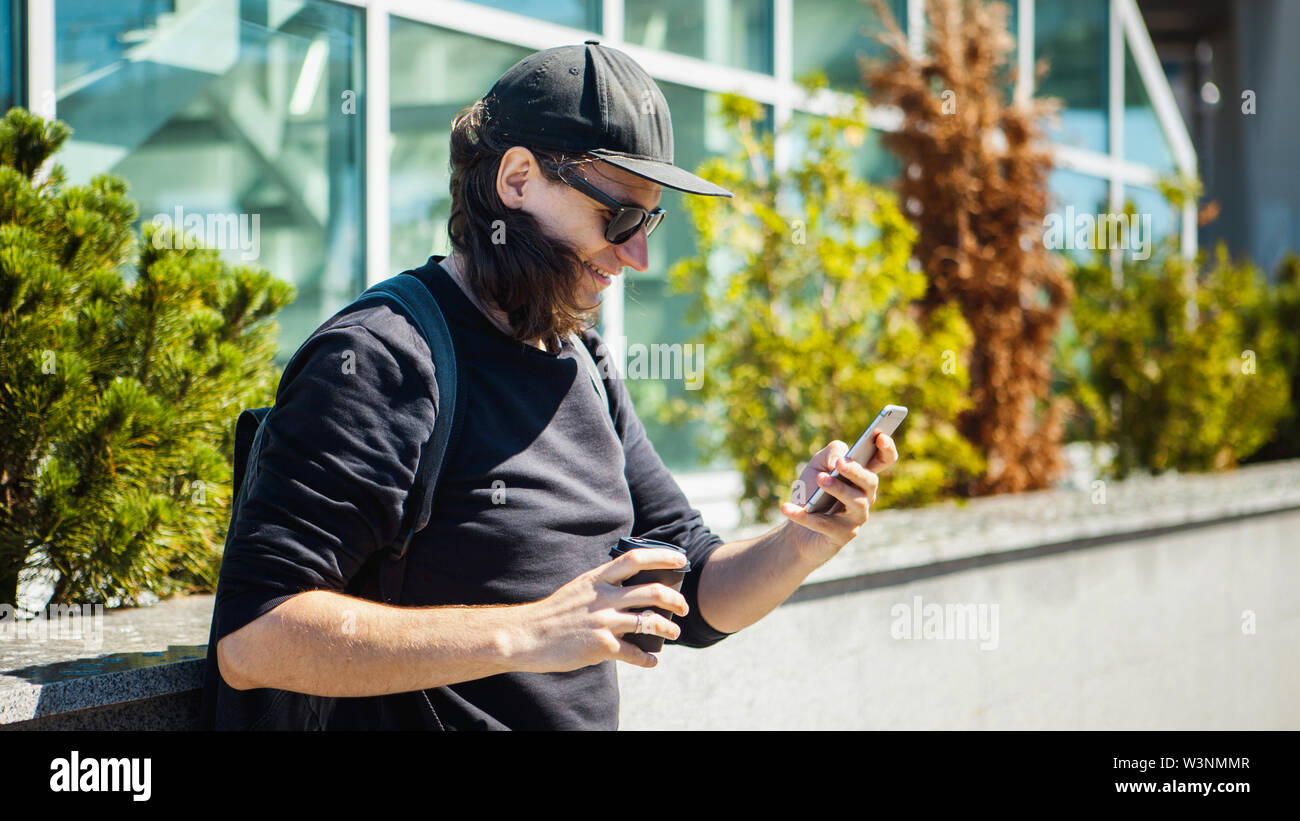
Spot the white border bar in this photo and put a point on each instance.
(1115, 112)
(1025, 52)
(494, 24)
(1102, 165)
(507, 27)
(377, 143)
(1115, 101)
(612, 23)
(41, 97)
(783, 70)
(1166, 110)
(1157, 85)
(916, 27)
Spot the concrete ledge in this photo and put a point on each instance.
(147, 672)
(68, 687)
(172, 711)
(134, 656)
(952, 531)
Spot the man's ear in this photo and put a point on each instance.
(518, 168)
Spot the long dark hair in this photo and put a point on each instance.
(533, 278)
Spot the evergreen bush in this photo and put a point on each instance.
(123, 366)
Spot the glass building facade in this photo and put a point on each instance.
(227, 107)
(329, 120)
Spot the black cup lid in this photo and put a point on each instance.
(632, 542)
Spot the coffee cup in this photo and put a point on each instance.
(667, 576)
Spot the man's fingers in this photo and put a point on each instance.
(842, 489)
(652, 595)
(634, 561)
(652, 624)
(854, 480)
(629, 652)
(823, 523)
(886, 453)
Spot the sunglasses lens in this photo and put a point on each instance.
(623, 226)
(653, 222)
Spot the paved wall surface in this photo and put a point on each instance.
(1141, 634)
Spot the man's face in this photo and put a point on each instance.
(567, 213)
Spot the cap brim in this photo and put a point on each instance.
(663, 173)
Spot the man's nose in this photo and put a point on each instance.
(635, 253)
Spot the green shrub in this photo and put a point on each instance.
(117, 399)
(807, 297)
(1179, 365)
(1282, 306)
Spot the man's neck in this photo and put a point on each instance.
(454, 266)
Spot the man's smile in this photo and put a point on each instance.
(601, 276)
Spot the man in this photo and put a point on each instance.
(512, 614)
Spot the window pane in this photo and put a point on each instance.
(8, 48)
(1144, 139)
(240, 115)
(580, 14)
(1088, 194)
(1164, 219)
(736, 33)
(433, 74)
(1072, 35)
(652, 315)
(1081, 194)
(830, 34)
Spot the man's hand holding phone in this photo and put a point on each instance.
(853, 488)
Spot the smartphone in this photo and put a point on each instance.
(885, 422)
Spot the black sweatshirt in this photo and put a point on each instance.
(540, 484)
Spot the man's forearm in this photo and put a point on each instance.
(744, 581)
(329, 644)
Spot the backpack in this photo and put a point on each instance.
(381, 577)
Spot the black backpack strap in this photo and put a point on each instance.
(248, 446)
(415, 300)
(246, 429)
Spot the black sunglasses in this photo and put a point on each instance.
(627, 219)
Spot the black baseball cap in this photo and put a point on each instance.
(594, 100)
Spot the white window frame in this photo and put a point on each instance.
(39, 41)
